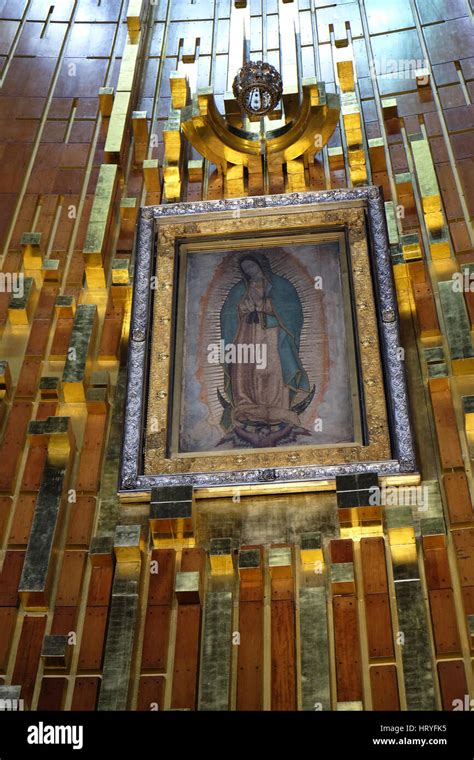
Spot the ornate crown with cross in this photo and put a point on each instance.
(257, 88)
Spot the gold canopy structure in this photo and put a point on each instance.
(222, 144)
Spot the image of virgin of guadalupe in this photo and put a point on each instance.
(262, 317)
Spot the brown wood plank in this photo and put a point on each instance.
(28, 380)
(468, 599)
(464, 545)
(4, 304)
(446, 429)
(38, 339)
(52, 694)
(90, 461)
(193, 560)
(10, 578)
(75, 274)
(46, 409)
(283, 655)
(156, 638)
(374, 570)
(379, 625)
(251, 591)
(3, 411)
(100, 585)
(443, 617)
(34, 466)
(28, 655)
(347, 646)
(452, 683)
(438, 574)
(383, 681)
(426, 310)
(85, 694)
(13, 442)
(64, 621)
(93, 638)
(161, 586)
(342, 550)
(90, 467)
(22, 519)
(47, 297)
(70, 580)
(250, 657)
(151, 691)
(81, 520)
(96, 427)
(458, 497)
(109, 348)
(186, 657)
(61, 338)
(88, 475)
(7, 627)
(5, 508)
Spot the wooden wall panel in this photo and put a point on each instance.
(250, 657)
(193, 560)
(150, 693)
(8, 617)
(33, 470)
(438, 574)
(23, 517)
(444, 621)
(28, 380)
(64, 621)
(156, 637)
(161, 586)
(93, 637)
(347, 647)
(85, 694)
(5, 508)
(70, 579)
(100, 586)
(158, 613)
(425, 305)
(28, 655)
(374, 570)
(458, 497)
(61, 338)
(13, 441)
(52, 694)
(464, 546)
(81, 518)
(90, 462)
(186, 657)
(10, 578)
(283, 655)
(446, 429)
(452, 682)
(342, 550)
(384, 685)
(379, 626)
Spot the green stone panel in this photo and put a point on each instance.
(457, 321)
(214, 680)
(315, 680)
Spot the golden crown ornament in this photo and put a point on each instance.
(258, 88)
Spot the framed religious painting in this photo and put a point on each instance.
(264, 346)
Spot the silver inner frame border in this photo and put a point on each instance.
(131, 476)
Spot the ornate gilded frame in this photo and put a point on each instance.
(389, 449)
